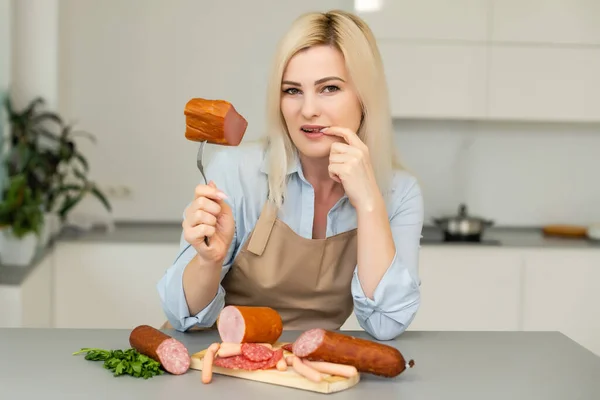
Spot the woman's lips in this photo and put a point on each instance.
(312, 131)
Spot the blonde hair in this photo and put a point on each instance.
(354, 39)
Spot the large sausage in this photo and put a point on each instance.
(214, 121)
(365, 355)
(246, 324)
(169, 352)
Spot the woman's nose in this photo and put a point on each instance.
(310, 107)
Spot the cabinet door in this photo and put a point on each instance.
(435, 81)
(536, 83)
(110, 285)
(36, 295)
(562, 293)
(428, 19)
(546, 21)
(469, 288)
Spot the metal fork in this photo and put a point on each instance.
(199, 160)
(201, 168)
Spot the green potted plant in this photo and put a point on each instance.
(43, 148)
(21, 220)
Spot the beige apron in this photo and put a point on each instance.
(308, 281)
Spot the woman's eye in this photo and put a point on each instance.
(291, 91)
(331, 88)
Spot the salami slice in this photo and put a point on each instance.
(288, 347)
(256, 352)
(241, 362)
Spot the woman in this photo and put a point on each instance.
(320, 221)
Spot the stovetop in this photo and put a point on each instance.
(432, 235)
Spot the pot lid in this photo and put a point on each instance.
(463, 216)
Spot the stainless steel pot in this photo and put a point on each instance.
(462, 226)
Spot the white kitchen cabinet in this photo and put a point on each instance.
(435, 81)
(544, 83)
(429, 19)
(546, 21)
(37, 295)
(109, 285)
(563, 294)
(29, 305)
(469, 289)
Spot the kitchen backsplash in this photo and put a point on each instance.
(516, 173)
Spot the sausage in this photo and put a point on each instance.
(169, 352)
(305, 370)
(282, 365)
(229, 350)
(347, 371)
(256, 352)
(215, 121)
(209, 357)
(241, 362)
(246, 324)
(365, 355)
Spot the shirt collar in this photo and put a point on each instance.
(293, 167)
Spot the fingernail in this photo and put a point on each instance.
(221, 195)
(322, 129)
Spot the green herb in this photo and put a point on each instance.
(121, 362)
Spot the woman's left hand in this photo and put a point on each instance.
(350, 165)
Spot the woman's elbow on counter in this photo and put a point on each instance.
(388, 326)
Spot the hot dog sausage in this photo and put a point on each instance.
(346, 371)
(209, 357)
(169, 352)
(244, 324)
(306, 371)
(365, 355)
(215, 121)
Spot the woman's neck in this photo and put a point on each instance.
(316, 172)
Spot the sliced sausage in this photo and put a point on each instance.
(256, 352)
(169, 352)
(241, 362)
(214, 121)
(365, 355)
(245, 324)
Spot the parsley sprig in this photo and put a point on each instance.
(121, 362)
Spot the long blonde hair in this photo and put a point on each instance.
(350, 35)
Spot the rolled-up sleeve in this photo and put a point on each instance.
(397, 297)
(170, 286)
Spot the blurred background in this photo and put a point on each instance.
(496, 107)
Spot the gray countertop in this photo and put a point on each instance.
(38, 363)
(171, 233)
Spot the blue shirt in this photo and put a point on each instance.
(241, 172)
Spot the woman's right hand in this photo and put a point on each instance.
(208, 215)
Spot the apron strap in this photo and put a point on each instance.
(262, 230)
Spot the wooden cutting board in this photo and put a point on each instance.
(289, 378)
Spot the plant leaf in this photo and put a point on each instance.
(100, 196)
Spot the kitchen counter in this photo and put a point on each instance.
(38, 363)
(171, 233)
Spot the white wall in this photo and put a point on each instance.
(127, 69)
(516, 173)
